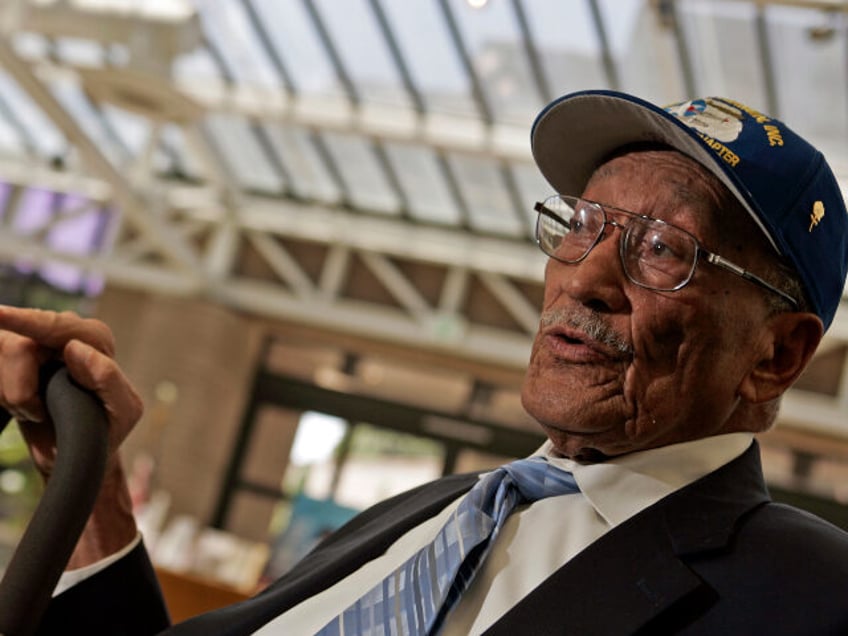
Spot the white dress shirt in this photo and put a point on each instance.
(70, 578)
(536, 540)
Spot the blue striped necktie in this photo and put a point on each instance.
(415, 598)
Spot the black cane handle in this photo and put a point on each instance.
(68, 498)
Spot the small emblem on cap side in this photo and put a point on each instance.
(816, 215)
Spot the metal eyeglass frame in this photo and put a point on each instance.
(700, 251)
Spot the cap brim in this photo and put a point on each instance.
(577, 132)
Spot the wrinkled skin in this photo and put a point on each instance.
(29, 338)
(617, 368)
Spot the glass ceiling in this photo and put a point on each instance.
(416, 111)
(494, 65)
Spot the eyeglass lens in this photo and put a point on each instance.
(653, 253)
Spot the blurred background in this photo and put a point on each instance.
(309, 223)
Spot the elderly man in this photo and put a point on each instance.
(697, 254)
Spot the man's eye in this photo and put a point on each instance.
(660, 249)
(579, 222)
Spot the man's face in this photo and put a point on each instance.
(617, 368)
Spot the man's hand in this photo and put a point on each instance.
(28, 339)
(31, 337)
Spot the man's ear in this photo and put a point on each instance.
(792, 338)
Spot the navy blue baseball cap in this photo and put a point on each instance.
(781, 180)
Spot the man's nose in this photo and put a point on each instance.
(598, 280)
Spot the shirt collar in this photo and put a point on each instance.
(623, 486)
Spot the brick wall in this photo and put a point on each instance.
(205, 352)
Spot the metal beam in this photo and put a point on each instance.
(397, 56)
(669, 10)
(513, 301)
(336, 61)
(766, 61)
(170, 247)
(133, 275)
(389, 123)
(334, 272)
(393, 237)
(537, 69)
(475, 342)
(603, 41)
(477, 91)
(282, 263)
(403, 291)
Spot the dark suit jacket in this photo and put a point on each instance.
(714, 558)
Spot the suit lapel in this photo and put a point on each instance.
(633, 578)
(366, 537)
(636, 576)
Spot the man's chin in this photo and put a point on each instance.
(581, 445)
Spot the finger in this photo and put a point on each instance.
(55, 329)
(101, 374)
(19, 377)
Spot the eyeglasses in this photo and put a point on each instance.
(654, 254)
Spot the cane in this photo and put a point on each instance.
(62, 512)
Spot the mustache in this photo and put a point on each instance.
(590, 323)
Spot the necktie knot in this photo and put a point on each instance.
(415, 598)
(535, 478)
